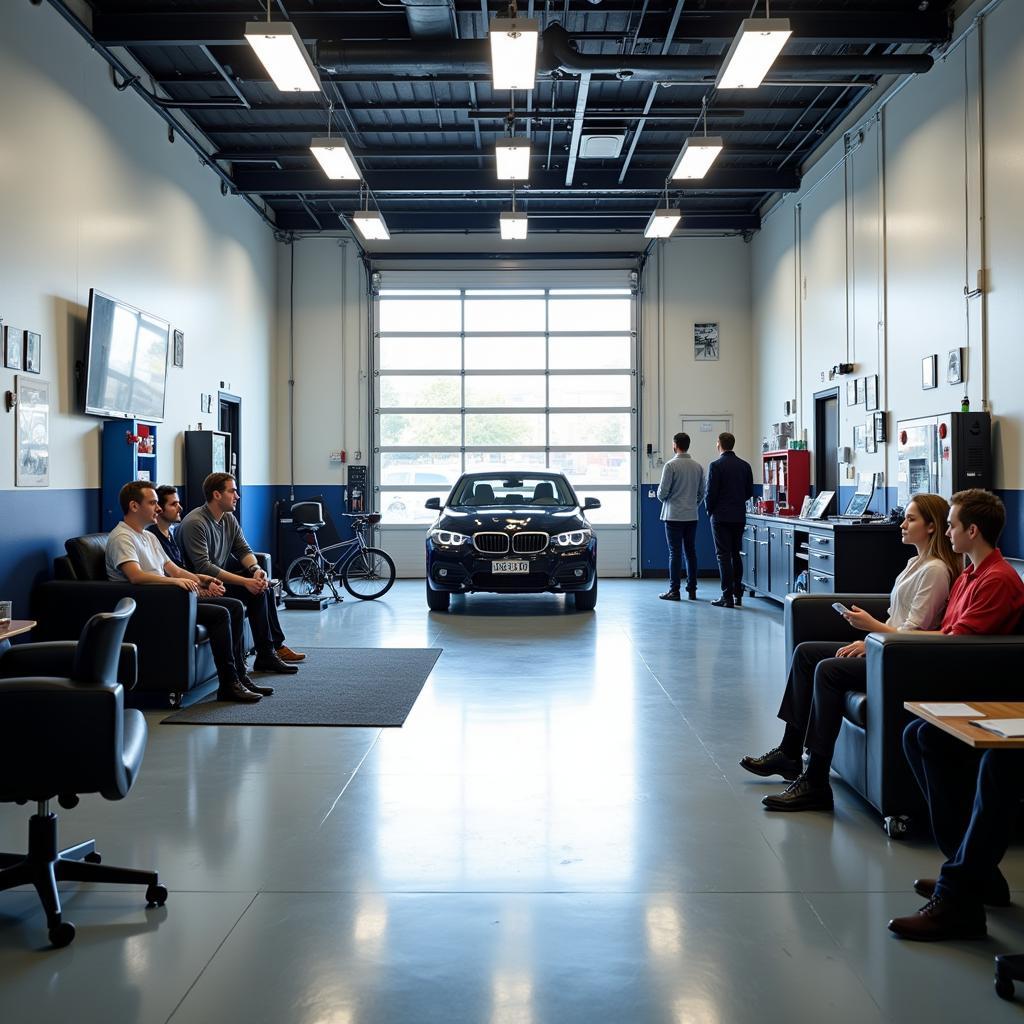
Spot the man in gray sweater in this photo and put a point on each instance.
(680, 491)
(209, 536)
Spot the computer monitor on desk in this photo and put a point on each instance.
(858, 504)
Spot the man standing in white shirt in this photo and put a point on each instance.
(680, 491)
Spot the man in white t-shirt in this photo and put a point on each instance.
(134, 556)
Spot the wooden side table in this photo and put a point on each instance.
(16, 627)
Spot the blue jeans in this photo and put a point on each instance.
(972, 803)
(681, 537)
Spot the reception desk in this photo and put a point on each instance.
(843, 557)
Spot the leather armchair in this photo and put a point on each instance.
(900, 667)
(64, 731)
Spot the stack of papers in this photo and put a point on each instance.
(949, 710)
(1009, 728)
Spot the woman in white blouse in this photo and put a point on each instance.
(821, 673)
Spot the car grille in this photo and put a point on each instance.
(529, 543)
(491, 543)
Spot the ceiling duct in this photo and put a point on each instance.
(430, 19)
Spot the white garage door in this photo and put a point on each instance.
(485, 377)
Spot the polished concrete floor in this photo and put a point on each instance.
(559, 833)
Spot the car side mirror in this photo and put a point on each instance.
(591, 503)
(434, 503)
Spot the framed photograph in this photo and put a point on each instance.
(955, 366)
(870, 445)
(179, 348)
(805, 506)
(929, 373)
(871, 393)
(851, 392)
(858, 438)
(820, 503)
(705, 341)
(33, 352)
(14, 343)
(880, 432)
(32, 456)
(859, 385)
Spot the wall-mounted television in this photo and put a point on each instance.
(126, 360)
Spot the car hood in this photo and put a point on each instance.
(511, 519)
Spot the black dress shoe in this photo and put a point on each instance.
(942, 918)
(272, 663)
(723, 602)
(801, 795)
(738, 600)
(775, 762)
(670, 595)
(692, 595)
(249, 684)
(995, 896)
(237, 692)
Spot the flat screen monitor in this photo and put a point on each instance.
(126, 362)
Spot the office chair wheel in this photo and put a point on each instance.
(93, 858)
(156, 895)
(897, 826)
(62, 934)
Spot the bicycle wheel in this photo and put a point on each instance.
(369, 574)
(304, 578)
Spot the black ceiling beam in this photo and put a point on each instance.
(596, 181)
(432, 129)
(174, 28)
(243, 153)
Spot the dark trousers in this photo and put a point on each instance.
(223, 619)
(263, 621)
(972, 803)
(682, 539)
(728, 543)
(816, 693)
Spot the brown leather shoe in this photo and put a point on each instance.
(287, 654)
(942, 918)
(250, 684)
(237, 692)
(994, 897)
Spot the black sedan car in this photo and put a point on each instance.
(512, 533)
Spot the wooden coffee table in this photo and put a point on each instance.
(16, 627)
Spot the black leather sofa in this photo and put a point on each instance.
(900, 667)
(174, 651)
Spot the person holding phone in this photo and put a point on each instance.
(821, 672)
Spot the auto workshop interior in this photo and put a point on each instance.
(437, 284)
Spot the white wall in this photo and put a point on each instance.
(869, 262)
(93, 195)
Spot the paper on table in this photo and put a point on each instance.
(950, 710)
(1010, 728)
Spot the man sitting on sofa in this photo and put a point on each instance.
(134, 556)
(949, 772)
(209, 537)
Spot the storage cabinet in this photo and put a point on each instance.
(786, 478)
(748, 552)
(129, 452)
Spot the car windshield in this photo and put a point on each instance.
(512, 490)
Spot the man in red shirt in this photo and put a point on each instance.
(987, 598)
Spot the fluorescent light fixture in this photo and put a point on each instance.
(699, 152)
(513, 157)
(371, 225)
(661, 224)
(335, 158)
(512, 225)
(514, 52)
(284, 55)
(753, 52)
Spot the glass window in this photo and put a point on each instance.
(616, 506)
(504, 430)
(406, 507)
(589, 314)
(591, 353)
(592, 467)
(514, 489)
(515, 460)
(596, 428)
(591, 389)
(419, 468)
(420, 430)
(420, 354)
(501, 391)
(413, 315)
(505, 353)
(506, 315)
(425, 392)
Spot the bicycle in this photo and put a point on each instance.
(366, 572)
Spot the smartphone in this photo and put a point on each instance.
(841, 609)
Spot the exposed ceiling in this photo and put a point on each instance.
(410, 85)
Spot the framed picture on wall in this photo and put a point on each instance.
(179, 348)
(705, 341)
(14, 340)
(32, 454)
(851, 392)
(929, 373)
(859, 384)
(870, 446)
(955, 366)
(33, 352)
(858, 438)
(871, 393)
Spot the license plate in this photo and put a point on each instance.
(497, 567)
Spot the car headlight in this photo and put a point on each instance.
(573, 539)
(449, 538)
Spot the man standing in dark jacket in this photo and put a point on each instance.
(730, 484)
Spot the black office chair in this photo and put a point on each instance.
(64, 731)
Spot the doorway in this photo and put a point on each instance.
(229, 420)
(826, 445)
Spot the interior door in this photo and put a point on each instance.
(826, 445)
(229, 420)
